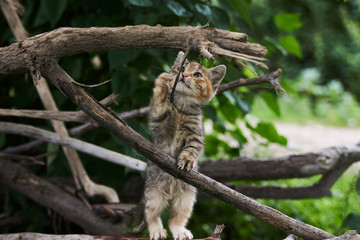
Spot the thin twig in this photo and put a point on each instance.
(94, 150)
(178, 75)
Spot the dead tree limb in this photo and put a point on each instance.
(61, 42)
(65, 116)
(39, 236)
(94, 150)
(15, 176)
(52, 71)
(292, 166)
(80, 175)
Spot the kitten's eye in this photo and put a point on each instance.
(197, 75)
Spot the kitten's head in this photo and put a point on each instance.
(196, 82)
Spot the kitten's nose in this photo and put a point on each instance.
(185, 75)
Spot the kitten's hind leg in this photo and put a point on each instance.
(154, 204)
(181, 211)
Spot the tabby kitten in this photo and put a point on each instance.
(177, 129)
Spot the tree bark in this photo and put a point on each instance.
(19, 57)
(94, 150)
(15, 176)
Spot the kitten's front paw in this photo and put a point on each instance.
(185, 162)
(158, 234)
(185, 235)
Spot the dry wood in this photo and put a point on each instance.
(349, 235)
(91, 149)
(65, 116)
(80, 176)
(13, 175)
(39, 236)
(19, 57)
(292, 166)
(52, 71)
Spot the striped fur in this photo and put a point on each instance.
(177, 129)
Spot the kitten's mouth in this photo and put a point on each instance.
(182, 80)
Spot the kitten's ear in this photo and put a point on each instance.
(178, 60)
(216, 75)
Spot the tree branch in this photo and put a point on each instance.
(79, 173)
(52, 71)
(15, 176)
(94, 150)
(39, 236)
(293, 166)
(18, 57)
(65, 116)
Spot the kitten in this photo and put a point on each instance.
(177, 129)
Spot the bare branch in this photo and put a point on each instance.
(270, 78)
(39, 236)
(15, 176)
(18, 57)
(349, 235)
(293, 166)
(114, 157)
(65, 116)
(73, 132)
(80, 176)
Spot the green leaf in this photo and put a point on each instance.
(243, 104)
(53, 9)
(178, 9)
(203, 9)
(241, 8)
(271, 102)
(268, 131)
(210, 112)
(357, 186)
(120, 57)
(204, 13)
(141, 3)
(219, 18)
(211, 144)
(124, 82)
(352, 221)
(288, 21)
(73, 66)
(291, 44)
(276, 44)
(239, 136)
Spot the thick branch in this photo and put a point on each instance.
(79, 173)
(15, 176)
(39, 236)
(61, 42)
(293, 166)
(103, 116)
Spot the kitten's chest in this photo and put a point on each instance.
(184, 128)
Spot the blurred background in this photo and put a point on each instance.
(315, 43)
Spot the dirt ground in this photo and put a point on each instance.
(307, 138)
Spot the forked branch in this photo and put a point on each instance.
(18, 57)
